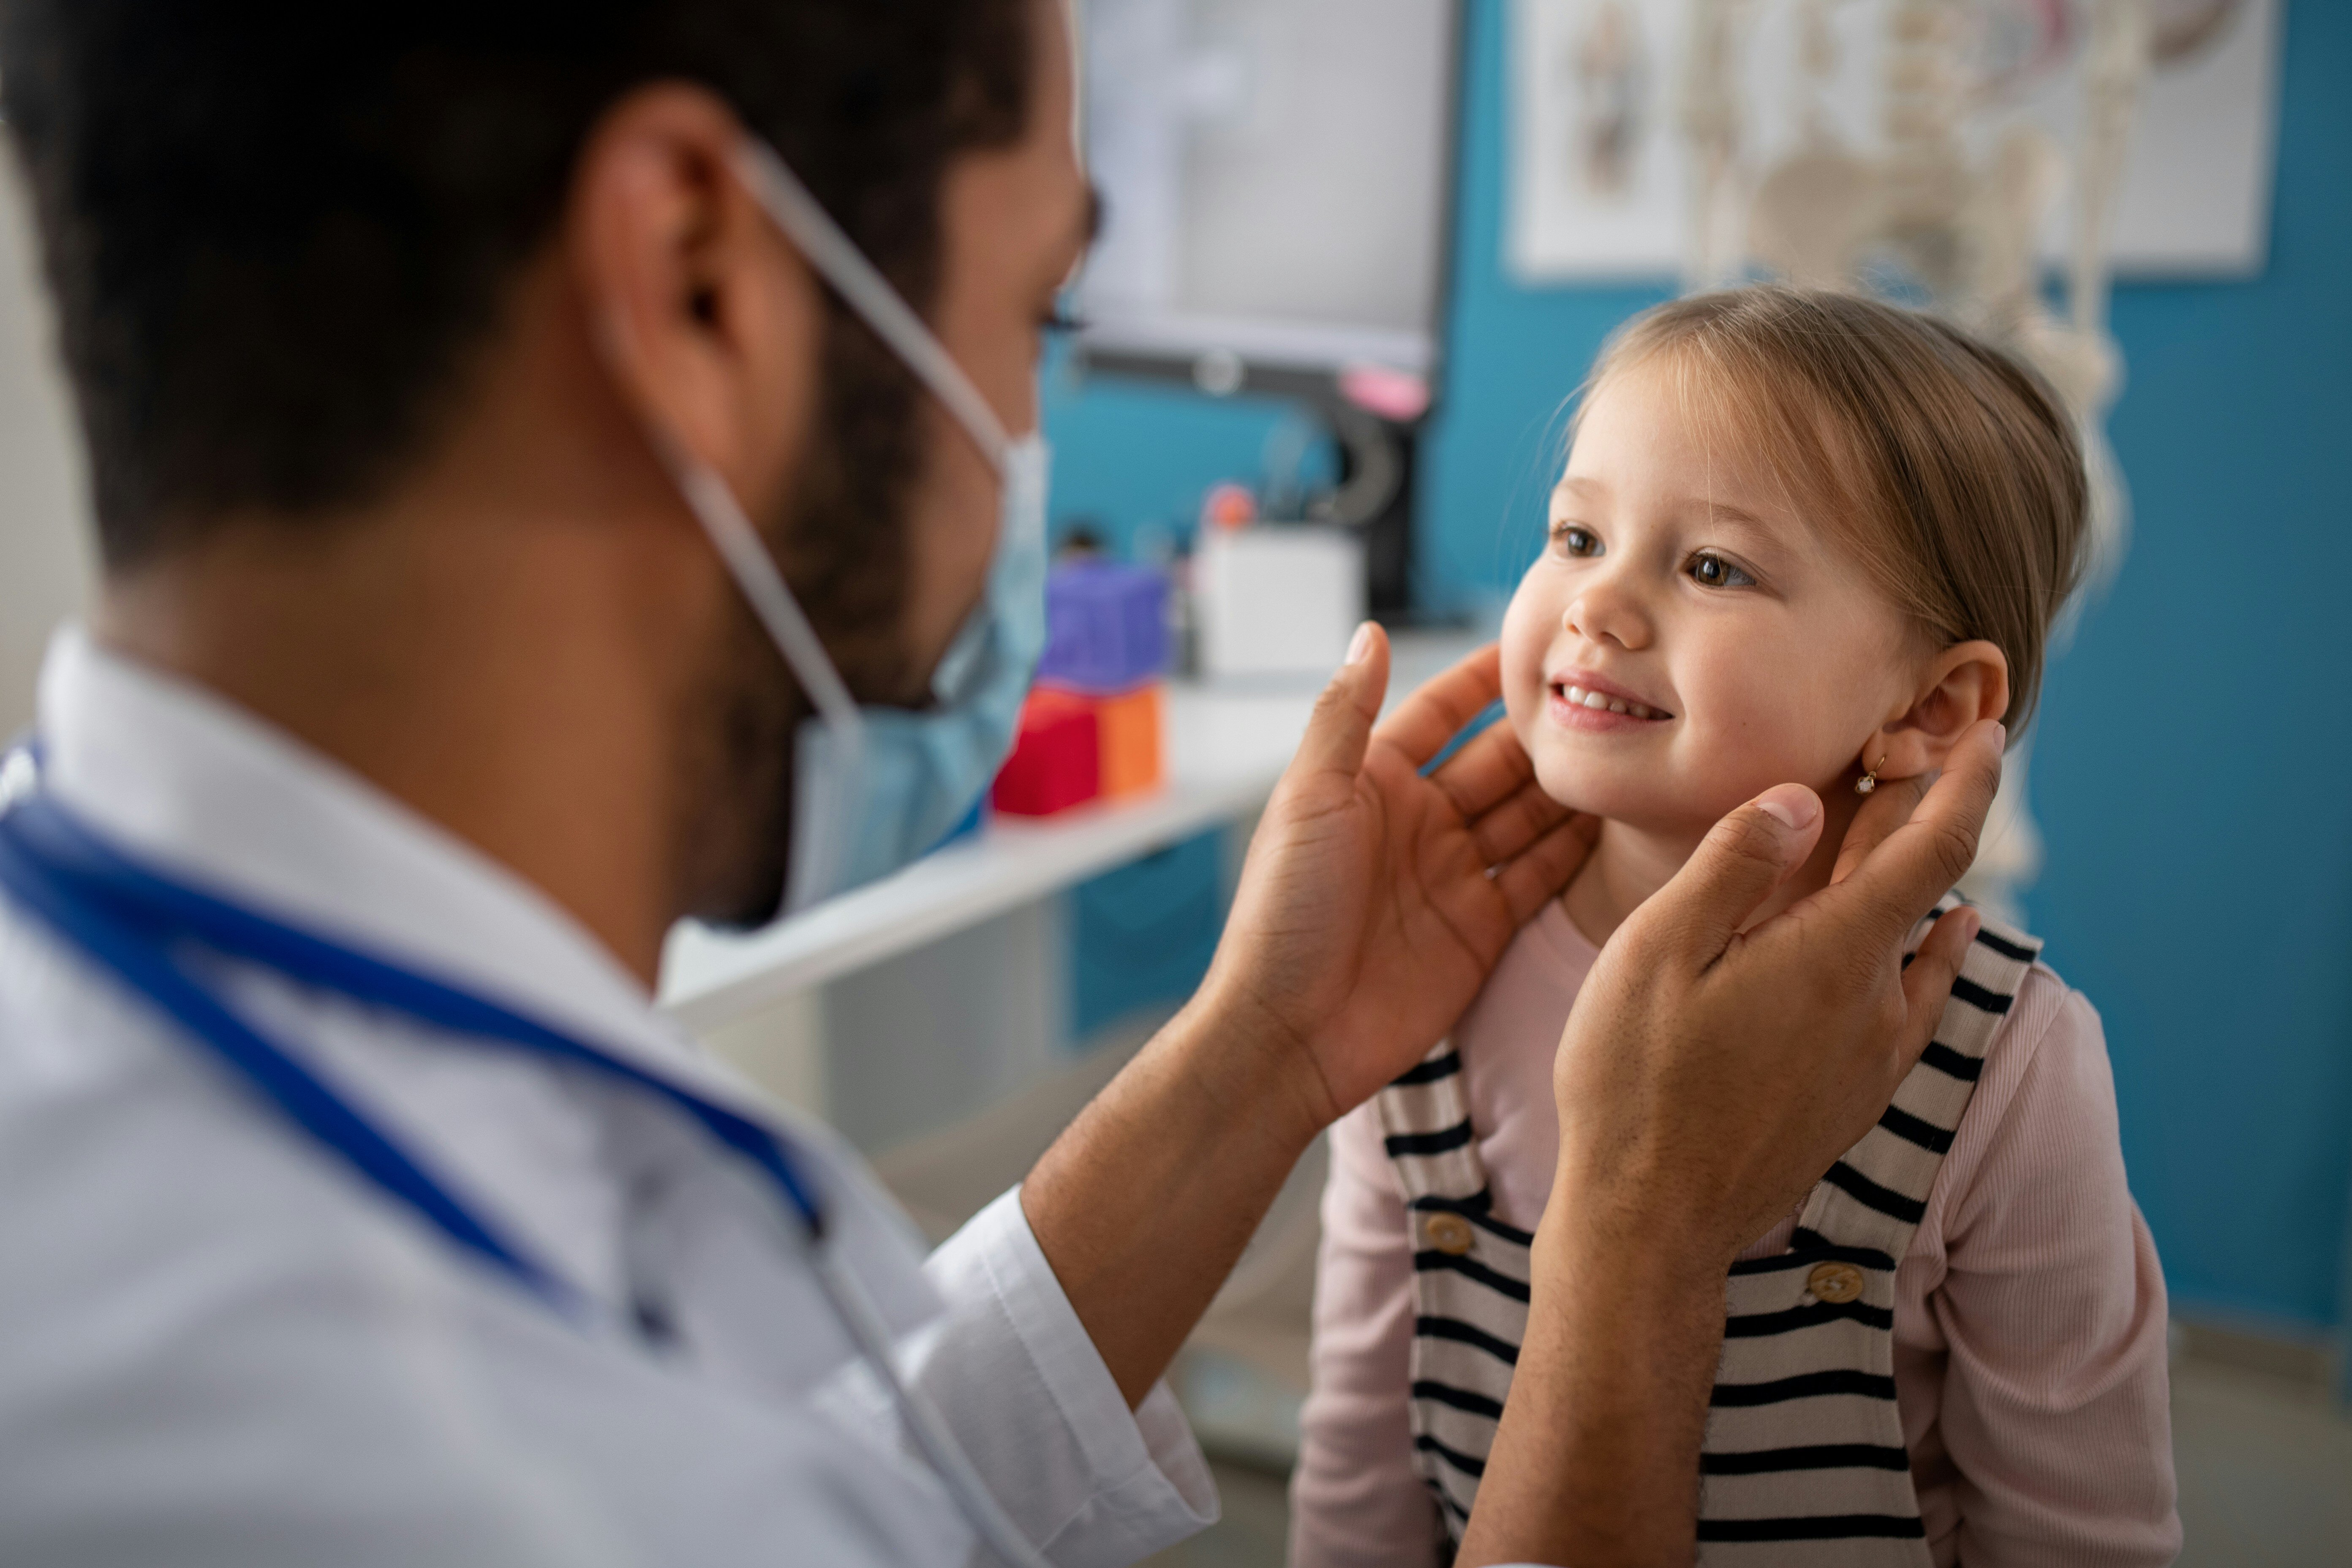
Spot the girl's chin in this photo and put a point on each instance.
(1632, 804)
(1646, 806)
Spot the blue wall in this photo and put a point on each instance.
(2193, 740)
(1145, 932)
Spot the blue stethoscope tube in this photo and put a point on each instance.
(132, 921)
(1468, 732)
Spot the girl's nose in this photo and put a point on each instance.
(1603, 611)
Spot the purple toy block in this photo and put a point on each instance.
(1106, 627)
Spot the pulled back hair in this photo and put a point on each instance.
(1952, 471)
(277, 234)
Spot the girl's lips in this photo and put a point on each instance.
(1580, 701)
(1598, 720)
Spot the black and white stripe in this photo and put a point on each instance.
(1804, 1459)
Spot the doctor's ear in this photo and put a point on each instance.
(1963, 685)
(707, 318)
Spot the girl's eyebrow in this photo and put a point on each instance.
(1720, 512)
(1716, 512)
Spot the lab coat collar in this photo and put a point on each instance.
(210, 793)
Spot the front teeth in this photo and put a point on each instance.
(1578, 697)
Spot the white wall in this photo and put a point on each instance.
(45, 548)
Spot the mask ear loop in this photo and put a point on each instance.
(746, 556)
(838, 259)
(803, 219)
(813, 857)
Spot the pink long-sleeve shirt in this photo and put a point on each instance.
(2030, 1348)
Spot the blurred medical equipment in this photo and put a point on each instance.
(1276, 176)
(1277, 599)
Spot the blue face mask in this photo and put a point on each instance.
(921, 773)
(875, 788)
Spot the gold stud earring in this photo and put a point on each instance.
(1869, 780)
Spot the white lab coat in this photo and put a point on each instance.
(219, 1345)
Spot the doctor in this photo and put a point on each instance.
(528, 520)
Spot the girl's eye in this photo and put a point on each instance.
(1574, 541)
(1709, 570)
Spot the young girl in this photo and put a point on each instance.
(1801, 536)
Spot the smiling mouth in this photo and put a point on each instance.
(1602, 702)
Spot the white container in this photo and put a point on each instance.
(1277, 598)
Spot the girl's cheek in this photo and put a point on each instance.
(1782, 728)
(1525, 642)
(1747, 716)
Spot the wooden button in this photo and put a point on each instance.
(1449, 1233)
(1834, 1281)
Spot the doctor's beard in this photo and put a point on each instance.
(841, 539)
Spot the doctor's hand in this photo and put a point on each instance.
(1374, 902)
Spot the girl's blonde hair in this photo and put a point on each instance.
(1951, 470)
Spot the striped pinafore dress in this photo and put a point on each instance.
(1805, 1460)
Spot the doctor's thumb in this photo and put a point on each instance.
(1743, 857)
(1341, 727)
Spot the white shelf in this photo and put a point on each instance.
(1226, 748)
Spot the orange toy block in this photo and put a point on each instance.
(1130, 726)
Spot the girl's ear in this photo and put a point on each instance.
(1967, 682)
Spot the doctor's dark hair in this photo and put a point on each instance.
(277, 234)
(1950, 468)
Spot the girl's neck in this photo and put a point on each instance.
(1631, 863)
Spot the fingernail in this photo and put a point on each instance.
(1793, 807)
(1360, 644)
(2000, 735)
(1971, 922)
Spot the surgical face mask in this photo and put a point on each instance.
(875, 788)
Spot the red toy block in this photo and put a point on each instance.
(1056, 762)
